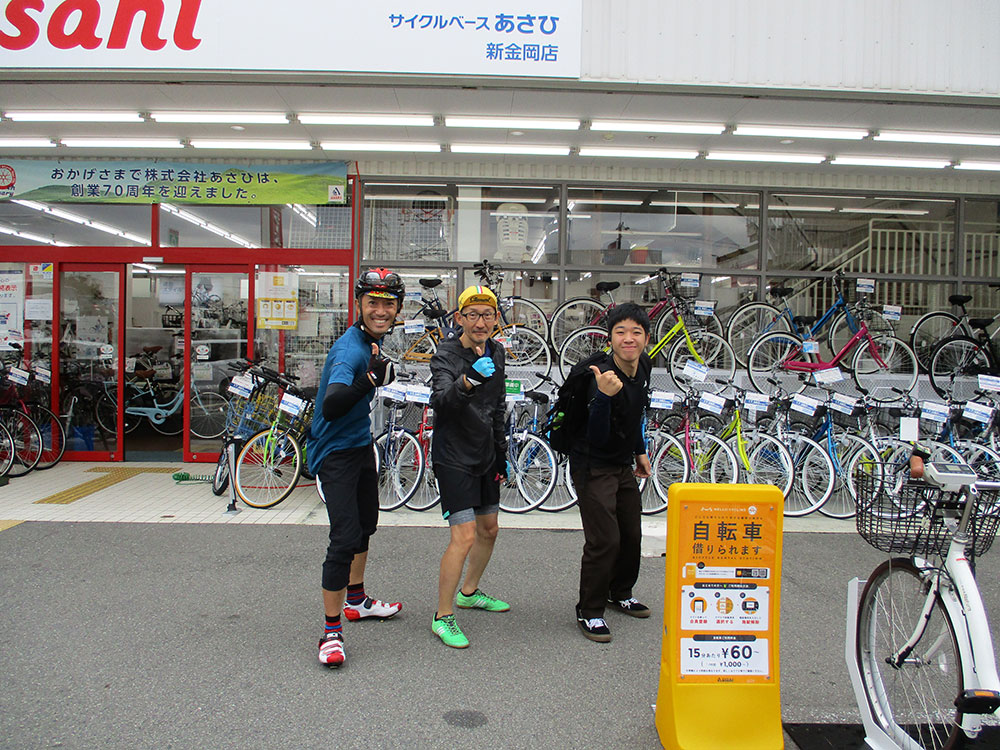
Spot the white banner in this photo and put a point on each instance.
(540, 38)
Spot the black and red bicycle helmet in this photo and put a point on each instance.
(380, 282)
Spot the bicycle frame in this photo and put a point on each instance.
(800, 365)
(678, 327)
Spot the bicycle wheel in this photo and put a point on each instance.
(220, 479)
(519, 311)
(840, 331)
(579, 345)
(563, 495)
(400, 468)
(173, 423)
(53, 435)
(767, 360)
(27, 441)
(412, 348)
(527, 357)
(707, 349)
(927, 332)
(267, 468)
(887, 370)
(106, 414)
(911, 693)
(572, 315)
(669, 465)
(748, 323)
(667, 319)
(851, 454)
(533, 467)
(208, 414)
(6, 451)
(711, 461)
(770, 462)
(814, 475)
(427, 494)
(956, 365)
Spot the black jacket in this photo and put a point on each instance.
(468, 425)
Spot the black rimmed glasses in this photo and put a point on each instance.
(474, 316)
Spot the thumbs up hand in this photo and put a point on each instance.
(481, 370)
(380, 369)
(608, 382)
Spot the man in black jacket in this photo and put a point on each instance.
(601, 466)
(469, 456)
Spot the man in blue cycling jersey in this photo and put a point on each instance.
(342, 459)
(469, 456)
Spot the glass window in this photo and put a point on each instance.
(213, 226)
(616, 227)
(73, 224)
(860, 234)
(409, 222)
(982, 239)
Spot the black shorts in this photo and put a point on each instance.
(462, 492)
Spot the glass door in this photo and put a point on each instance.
(218, 298)
(90, 341)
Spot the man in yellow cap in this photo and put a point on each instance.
(469, 456)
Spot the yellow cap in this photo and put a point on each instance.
(477, 295)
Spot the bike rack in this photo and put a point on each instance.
(231, 510)
(875, 737)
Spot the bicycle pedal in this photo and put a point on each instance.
(978, 701)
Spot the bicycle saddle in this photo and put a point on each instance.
(805, 320)
(145, 374)
(537, 397)
(155, 349)
(429, 283)
(781, 291)
(980, 322)
(960, 299)
(435, 314)
(607, 286)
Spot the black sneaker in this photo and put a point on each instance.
(630, 606)
(594, 628)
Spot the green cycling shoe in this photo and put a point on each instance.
(478, 600)
(448, 631)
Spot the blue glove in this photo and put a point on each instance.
(481, 370)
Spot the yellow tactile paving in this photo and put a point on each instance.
(7, 524)
(112, 475)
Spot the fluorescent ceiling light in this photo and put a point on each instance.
(400, 146)
(408, 184)
(26, 143)
(83, 221)
(781, 207)
(694, 204)
(238, 118)
(648, 126)
(409, 197)
(649, 233)
(886, 211)
(960, 139)
(121, 143)
(888, 161)
(637, 153)
(989, 166)
(501, 148)
(22, 116)
(410, 121)
(513, 123)
(751, 156)
(144, 266)
(245, 144)
(191, 218)
(306, 213)
(4, 229)
(845, 134)
(514, 199)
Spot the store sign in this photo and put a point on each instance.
(155, 181)
(540, 38)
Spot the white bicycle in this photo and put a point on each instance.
(919, 649)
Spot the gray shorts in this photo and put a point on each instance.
(465, 496)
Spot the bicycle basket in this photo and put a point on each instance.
(258, 413)
(897, 514)
(172, 319)
(299, 424)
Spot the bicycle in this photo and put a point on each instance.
(934, 327)
(14, 383)
(919, 650)
(532, 466)
(399, 457)
(514, 310)
(958, 361)
(884, 367)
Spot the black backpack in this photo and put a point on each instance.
(569, 415)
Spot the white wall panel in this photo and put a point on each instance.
(908, 46)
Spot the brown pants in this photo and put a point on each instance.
(611, 512)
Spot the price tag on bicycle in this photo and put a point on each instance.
(17, 375)
(414, 326)
(804, 404)
(843, 404)
(704, 307)
(756, 401)
(414, 296)
(989, 382)
(695, 370)
(513, 390)
(865, 286)
(291, 404)
(43, 375)
(130, 364)
(829, 375)
(691, 280)
(241, 385)
(710, 402)
(395, 391)
(892, 312)
(935, 411)
(977, 411)
(662, 399)
(909, 429)
(810, 346)
(419, 394)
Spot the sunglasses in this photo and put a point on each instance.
(374, 278)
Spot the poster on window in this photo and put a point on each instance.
(11, 309)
